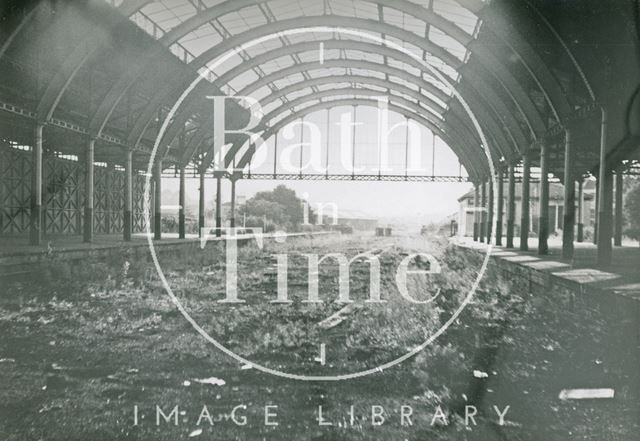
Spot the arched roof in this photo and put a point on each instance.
(512, 87)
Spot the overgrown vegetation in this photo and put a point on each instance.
(89, 340)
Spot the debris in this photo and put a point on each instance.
(186, 383)
(507, 423)
(586, 394)
(480, 374)
(49, 407)
(132, 371)
(196, 432)
(211, 380)
(340, 316)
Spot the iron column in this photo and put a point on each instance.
(524, 220)
(201, 204)
(605, 205)
(181, 203)
(232, 219)
(500, 208)
(568, 224)
(543, 225)
(617, 236)
(476, 206)
(157, 215)
(580, 237)
(483, 212)
(88, 191)
(128, 195)
(218, 176)
(107, 181)
(595, 223)
(36, 188)
(490, 211)
(511, 205)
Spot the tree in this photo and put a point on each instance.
(260, 208)
(280, 206)
(632, 212)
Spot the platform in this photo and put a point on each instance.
(18, 258)
(581, 273)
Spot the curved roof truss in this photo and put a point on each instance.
(461, 147)
(491, 64)
(506, 148)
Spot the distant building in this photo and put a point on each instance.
(354, 219)
(556, 209)
(359, 224)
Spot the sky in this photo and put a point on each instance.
(417, 202)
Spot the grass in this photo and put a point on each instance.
(86, 342)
